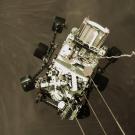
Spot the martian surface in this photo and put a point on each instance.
(25, 23)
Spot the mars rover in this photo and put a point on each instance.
(67, 76)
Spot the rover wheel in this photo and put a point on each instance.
(27, 83)
(114, 51)
(41, 51)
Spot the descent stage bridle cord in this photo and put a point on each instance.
(109, 109)
(120, 56)
(80, 126)
(99, 122)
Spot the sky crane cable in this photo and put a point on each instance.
(112, 114)
(79, 124)
(99, 122)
